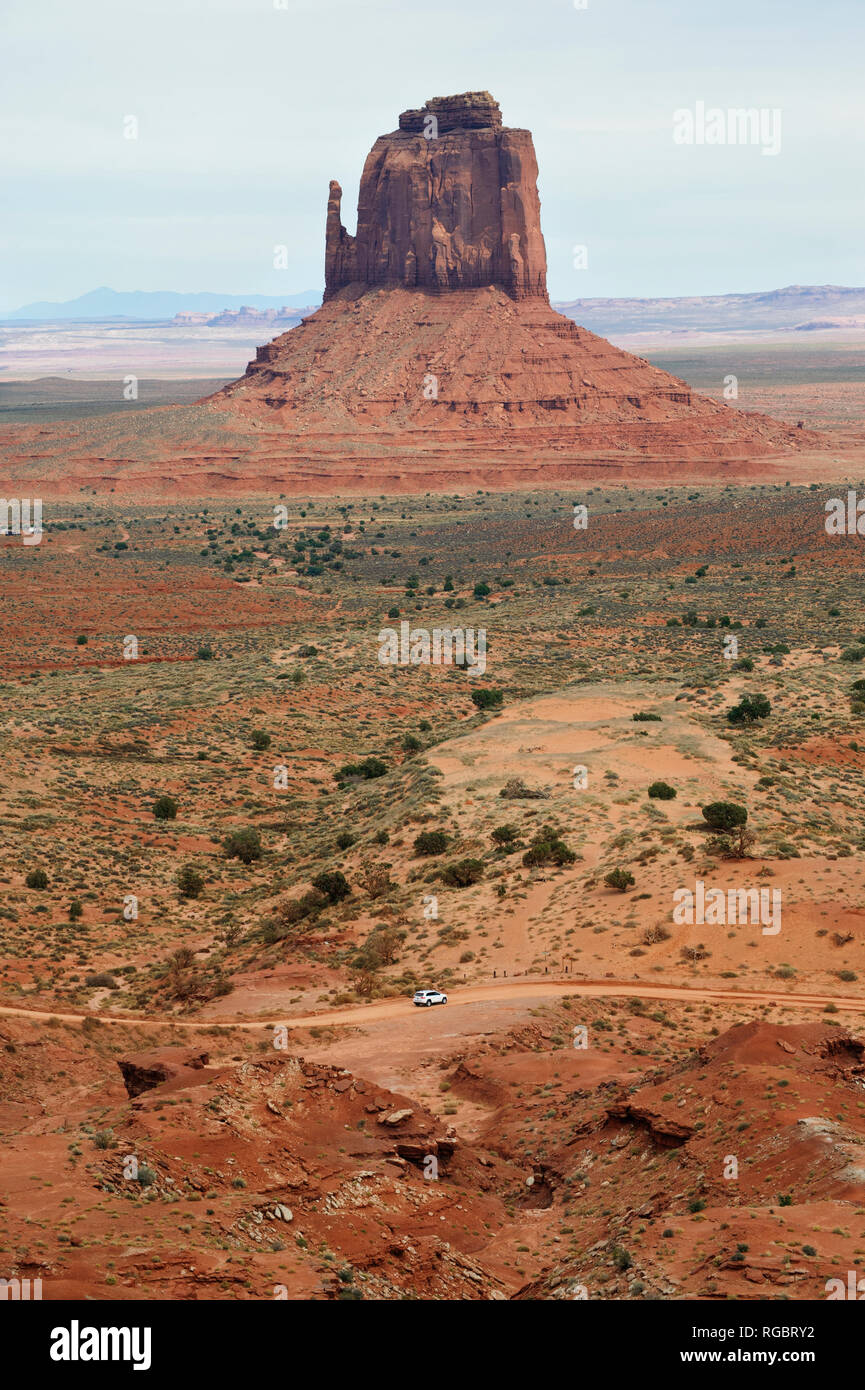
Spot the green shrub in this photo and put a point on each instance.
(244, 845)
(505, 834)
(333, 884)
(431, 842)
(462, 873)
(487, 699)
(190, 882)
(547, 847)
(37, 878)
(644, 717)
(724, 815)
(76, 910)
(294, 911)
(165, 808)
(368, 768)
(260, 740)
(749, 708)
(662, 791)
(345, 839)
(620, 879)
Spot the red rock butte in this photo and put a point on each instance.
(436, 352)
(447, 202)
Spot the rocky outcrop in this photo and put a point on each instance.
(340, 249)
(666, 1132)
(449, 201)
(144, 1070)
(468, 111)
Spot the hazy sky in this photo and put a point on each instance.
(246, 110)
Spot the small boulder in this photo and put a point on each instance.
(395, 1117)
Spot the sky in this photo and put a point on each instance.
(246, 108)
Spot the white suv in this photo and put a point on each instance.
(425, 997)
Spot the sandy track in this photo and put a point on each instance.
(527, 990)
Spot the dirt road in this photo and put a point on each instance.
(526, 990)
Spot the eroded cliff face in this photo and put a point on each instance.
(449, 201)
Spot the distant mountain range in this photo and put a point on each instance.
(155, 304)
(247, 316)
(795, 307)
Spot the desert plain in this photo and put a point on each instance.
(215, 1084)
